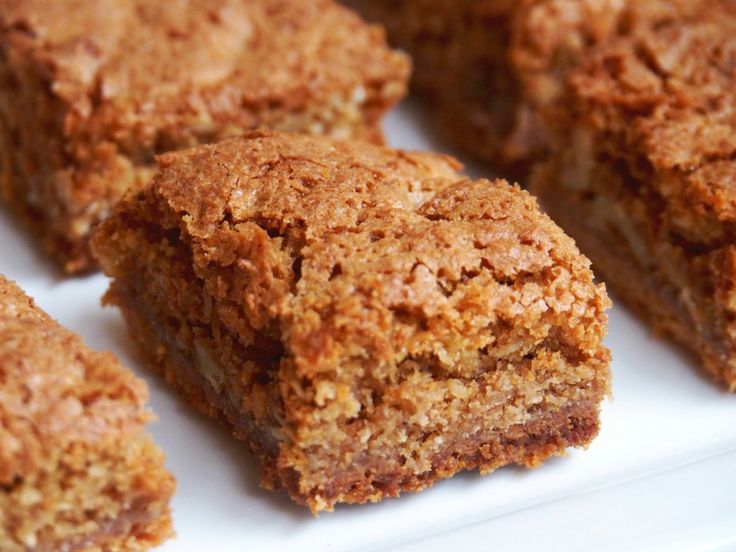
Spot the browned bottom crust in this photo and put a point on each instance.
(107, 500)
(548, 433)
(148, 533)
(606, 239)
(139, 528)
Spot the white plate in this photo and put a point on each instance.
(661, 475)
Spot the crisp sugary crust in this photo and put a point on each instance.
(93, 90)
(493, 68)
(77, 470)
(648, 150)
(367, 319)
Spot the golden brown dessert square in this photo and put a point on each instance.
(90, 91)
(77, 470)
(644, 175)
(368, 320)
(492, 68)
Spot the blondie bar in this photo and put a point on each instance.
(368, 320)
(643, 177)
(77, 470)
(90, 91)
(494, 68)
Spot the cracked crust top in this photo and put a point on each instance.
(54, 391)
(344, 249)
(549, 33)
(665, 100)
(371, 310)
(128, 67)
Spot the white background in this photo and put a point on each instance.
(661, 475)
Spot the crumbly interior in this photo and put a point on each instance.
(77, 471)
(368, 320)
(649, 159)
(494, 69)
(90, 95)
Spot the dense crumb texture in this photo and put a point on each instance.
(366, 319)
(649, 156)
(77, 471)
(494, 67)
(91, 91)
